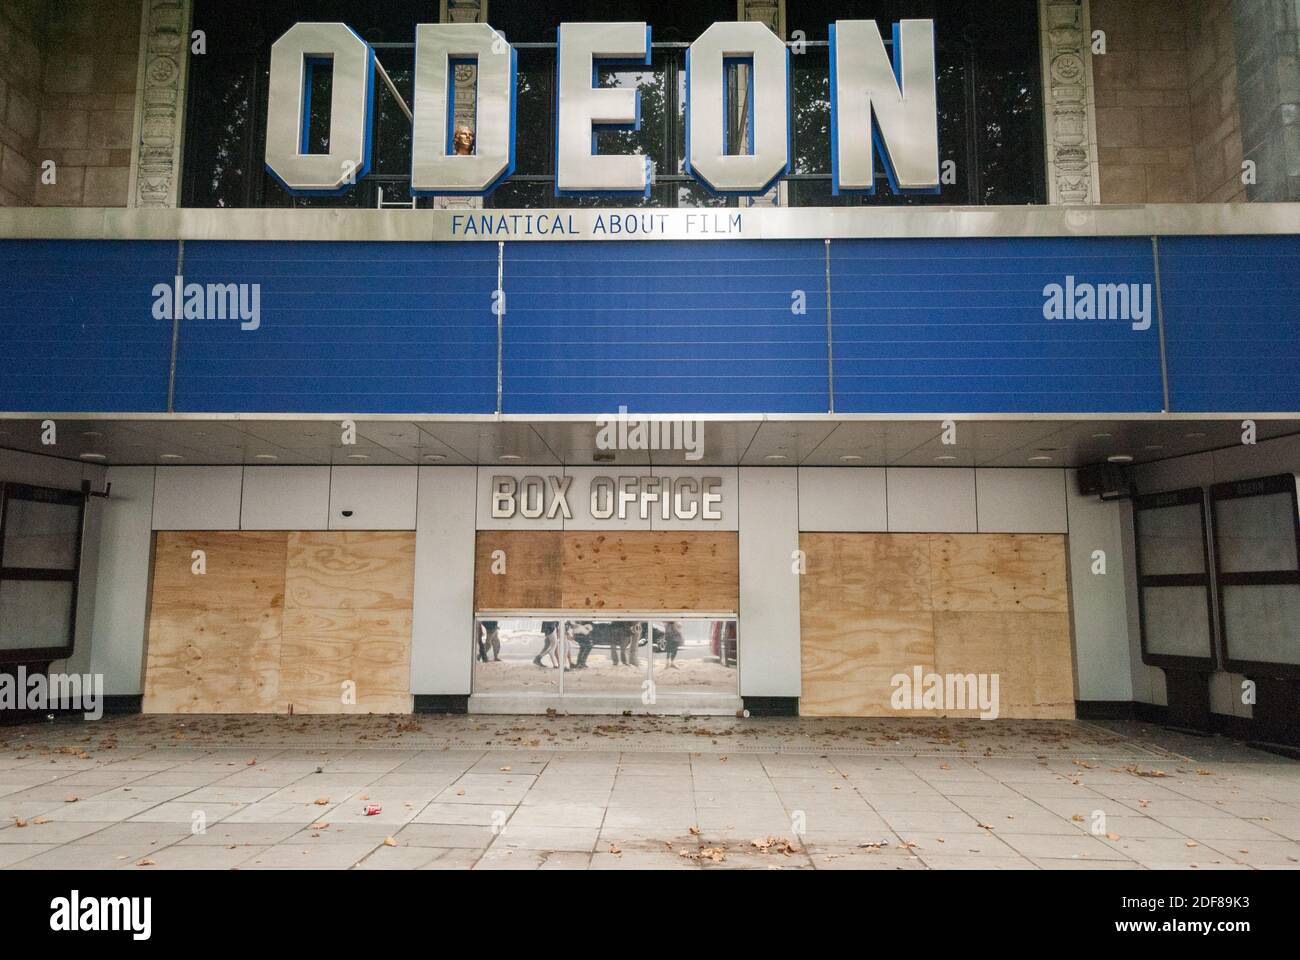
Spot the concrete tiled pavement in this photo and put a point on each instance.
(619, 793)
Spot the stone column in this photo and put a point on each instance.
(462, 11)
(160, 103)
(1268, 94)
(1070, 111)
(772, 13)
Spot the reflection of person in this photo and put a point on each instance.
(583, 633)
(672, 641)
(550, 632)
(462, 141)
(489, 639)
(623, 640)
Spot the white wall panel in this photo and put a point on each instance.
(378, 498)
(931, 499)
(842, 500)
(768, 631)
(286, 498)
(1099, 602)
(444, 581)
(1020, 501)
(122, 580)
(197, 498)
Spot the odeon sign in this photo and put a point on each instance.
(878, 104)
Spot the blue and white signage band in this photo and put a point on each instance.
(878, 105)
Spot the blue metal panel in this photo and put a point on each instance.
(345, 328)
(665, 327)
(77, 333)
(957, 326)
(1232, 323)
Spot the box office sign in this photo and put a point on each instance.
(622, 498)
(880, 104)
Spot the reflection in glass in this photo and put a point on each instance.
(606, 656)
(508, 657)
(695, 656)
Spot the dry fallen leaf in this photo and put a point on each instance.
(19, 822)
(614, 848)
(390, 842)
(1112, 836)
(71, 798)
(145, 863)
(322, 801)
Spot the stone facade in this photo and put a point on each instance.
(1268, 66)
(68, 81)
(22, 62)
(1167, 127)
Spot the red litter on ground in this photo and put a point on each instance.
(372, 809)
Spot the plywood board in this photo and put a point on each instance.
(348, 603)
(1029, 652)
(999, 603)
(214, 639)
(850, 658)
(651, 570)
(531, 580)
(1010, 573)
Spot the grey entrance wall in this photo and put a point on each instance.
(1268, 72)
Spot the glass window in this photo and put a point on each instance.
(631, 657)
(40, 552)
(1173, 579)
(1257, 540)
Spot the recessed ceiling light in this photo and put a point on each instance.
(358, 456)
(947, 457)
(1101, 436)
(267, 456)
(1120, 458)
(1153, 446)
(170, 456)
(1040, 459)
(434, 456)
(776, 457)
(851, 458)
(93, 456)
(509, 456)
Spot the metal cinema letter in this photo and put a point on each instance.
(768, 102)
(900, 97)
(435, 167)
(583, 106)
(289, 109)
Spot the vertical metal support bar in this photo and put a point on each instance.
(562, 650)
(1160, 323)
(178, 292)
(830, 342)
(501, 314)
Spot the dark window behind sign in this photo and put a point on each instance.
(990, 99)
(40, 556)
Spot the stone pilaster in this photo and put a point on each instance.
(771, 13)
(160, 103)
(1070, 121)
